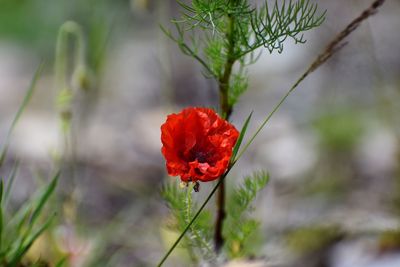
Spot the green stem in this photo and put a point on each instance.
(268, 118)
(224, 80)
(226, 110)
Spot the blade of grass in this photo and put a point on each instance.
(26, 245)
(45, 197)
(241, 136)
(10, 182)
(1, 211)
(38, 207)
(21, 109)
(23, 215)
(1, 191)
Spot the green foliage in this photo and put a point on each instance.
(253, 27)
(239, 86)
(240, 230)
(198, 239)
(21, 229)
(231, 31)
(273, 26)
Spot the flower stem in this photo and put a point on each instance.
(224, 79)
(221, 213)
(226, 110)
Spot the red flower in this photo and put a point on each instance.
(197, 144)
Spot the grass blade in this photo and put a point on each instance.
(1, 211)
(21, 109)
(1, 191)
(10, 182)
(44, 198)
(241, 136)
(24, 248)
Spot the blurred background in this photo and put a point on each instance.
(332, 150)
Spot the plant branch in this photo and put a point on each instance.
(185, 48)
(224, 80)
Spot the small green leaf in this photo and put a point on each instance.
(240, 139)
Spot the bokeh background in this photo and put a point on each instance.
(332, 150)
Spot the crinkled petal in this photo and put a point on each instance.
(197, 144)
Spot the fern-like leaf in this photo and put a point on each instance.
(245, 194)
(180, 201)
(239, 229)
(273, 26)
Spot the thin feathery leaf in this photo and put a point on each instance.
(271, 27)
(245, 194)
(196, 234)
(239, 229)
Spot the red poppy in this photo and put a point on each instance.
(197, 144)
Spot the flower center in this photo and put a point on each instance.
(201, 156)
